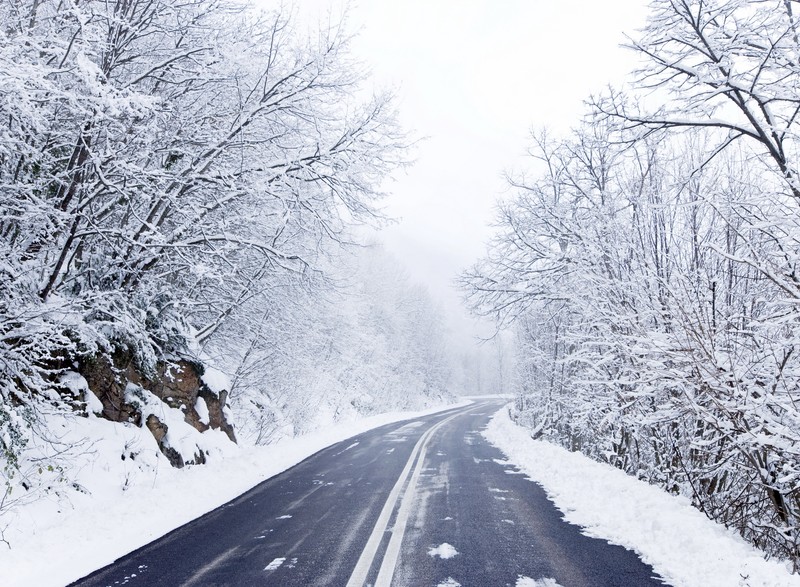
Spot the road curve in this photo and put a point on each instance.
(426, 502)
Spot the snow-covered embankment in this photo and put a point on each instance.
(682, 545)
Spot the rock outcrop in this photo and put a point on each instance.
(115, 378)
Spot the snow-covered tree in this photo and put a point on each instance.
(655, 318)
(650, 269)
(729, 65)
(165, 164)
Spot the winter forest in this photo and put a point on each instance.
(182, 187)
(189, 193)
(648, 264)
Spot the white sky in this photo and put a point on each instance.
(474, 77)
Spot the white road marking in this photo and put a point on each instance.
(284, 517)
(386, 572)
(449, 582)
(275, 564)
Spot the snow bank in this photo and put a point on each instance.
(683, 546)
(125, 504)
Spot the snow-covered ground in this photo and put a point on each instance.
(683, 546)
(54, 542)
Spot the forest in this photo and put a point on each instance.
(187, 192)
(648, 265)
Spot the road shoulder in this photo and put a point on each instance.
(680, 543)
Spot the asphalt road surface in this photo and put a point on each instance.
(422, 503)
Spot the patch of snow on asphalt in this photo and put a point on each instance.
(682, 545)
(444, 550)
(528, 582)
(125, 508)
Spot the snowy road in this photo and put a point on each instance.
(421, 503)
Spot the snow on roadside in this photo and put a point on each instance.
(93, 530)
(683, 545)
